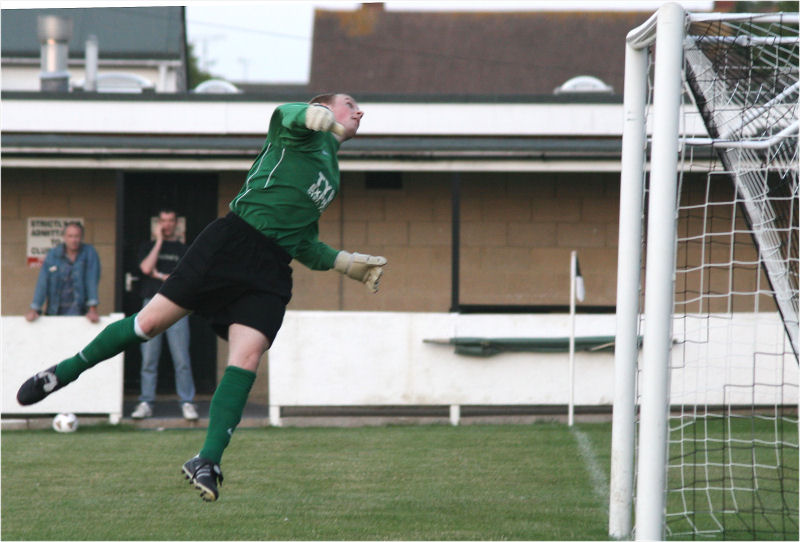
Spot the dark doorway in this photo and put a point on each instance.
(140, 196)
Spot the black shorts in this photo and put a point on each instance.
(232, 273)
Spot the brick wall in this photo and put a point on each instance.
(517, 231)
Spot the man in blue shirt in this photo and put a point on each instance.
(68, 280)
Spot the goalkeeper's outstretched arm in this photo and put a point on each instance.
(365, 268)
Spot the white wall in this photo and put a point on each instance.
(379, 358)
(31, 347)
(733, 359)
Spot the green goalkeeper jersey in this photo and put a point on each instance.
(293, 179)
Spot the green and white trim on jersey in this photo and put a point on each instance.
(291, 182)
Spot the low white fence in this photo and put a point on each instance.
(324, 358)
(28, 347)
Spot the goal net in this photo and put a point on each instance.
(716, 389)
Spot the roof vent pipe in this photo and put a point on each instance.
(90, 79)
(54, 34)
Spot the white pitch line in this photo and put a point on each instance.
(596, 473)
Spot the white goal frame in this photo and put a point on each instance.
(667, 28)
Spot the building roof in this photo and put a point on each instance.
(372, 50)
(452, 59)
(122, 33)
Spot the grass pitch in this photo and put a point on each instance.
(733, 474)
(433, 482)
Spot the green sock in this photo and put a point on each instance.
(226, 410)
(115, 338)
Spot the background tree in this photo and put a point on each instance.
(196, 74)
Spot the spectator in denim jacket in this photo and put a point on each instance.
(68, 279)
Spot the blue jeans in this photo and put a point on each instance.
(178, 339)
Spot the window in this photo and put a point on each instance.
(386, 180)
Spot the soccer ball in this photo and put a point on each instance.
(65, 423)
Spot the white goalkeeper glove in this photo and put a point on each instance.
(361, 267)
(321, 119)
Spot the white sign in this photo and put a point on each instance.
(45, 233)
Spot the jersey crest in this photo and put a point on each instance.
(321, 192)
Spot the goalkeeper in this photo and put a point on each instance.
(236, 273)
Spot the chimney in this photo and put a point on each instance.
(90, 78)
(54, 34)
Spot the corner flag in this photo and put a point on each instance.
(580, 290)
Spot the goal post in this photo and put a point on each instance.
(628, 278)
(666, 27)
(720, 99)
